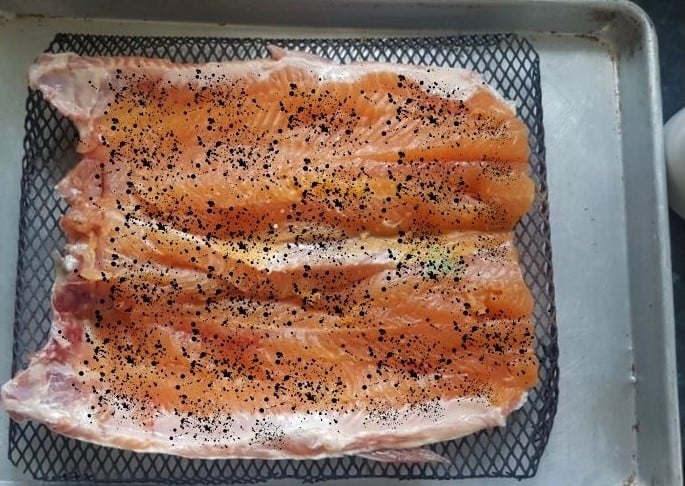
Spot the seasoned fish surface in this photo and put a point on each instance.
(283, 258)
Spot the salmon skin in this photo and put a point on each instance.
(283, 258)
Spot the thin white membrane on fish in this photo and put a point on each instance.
(63, 388)
(403, 456)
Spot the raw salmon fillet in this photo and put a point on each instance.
(283, 258)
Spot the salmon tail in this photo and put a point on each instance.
(277, 53)
(74, 85)
(406, 456)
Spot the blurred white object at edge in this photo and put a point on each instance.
(674, 134)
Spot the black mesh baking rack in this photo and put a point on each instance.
(508, 62)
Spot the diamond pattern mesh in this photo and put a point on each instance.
(508, 62)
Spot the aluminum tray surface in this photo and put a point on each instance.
(507, 62)
(617, 418)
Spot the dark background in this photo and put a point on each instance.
(669, 18)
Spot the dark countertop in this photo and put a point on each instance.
(669, 18)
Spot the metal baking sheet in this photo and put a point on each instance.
(617, 421)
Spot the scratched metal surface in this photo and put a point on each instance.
(617, 421)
